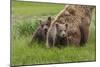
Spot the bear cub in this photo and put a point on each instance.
(41, 31)
(57, 35)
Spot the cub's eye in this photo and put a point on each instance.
(47, 24)
(42, 25)
(64, 30)
(60, 30)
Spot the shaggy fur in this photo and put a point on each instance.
(80, 17)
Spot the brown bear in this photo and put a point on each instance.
(80, 17)
(73, 29)
(85, 14)
(57, 35)
(41, 31)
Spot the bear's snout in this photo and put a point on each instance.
(63, 34)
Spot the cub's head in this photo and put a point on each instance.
(45, 24)
(61, 30)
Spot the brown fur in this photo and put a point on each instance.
(77, 15)
(85, 13)
(57, 35)
(41, 32)
(74, 34)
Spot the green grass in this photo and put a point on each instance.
(38, 54)
(34, 9)
(25, 17)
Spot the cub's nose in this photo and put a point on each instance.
(45, 29)
(63, 35)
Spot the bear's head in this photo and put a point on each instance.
(45, 24)
(61, 30)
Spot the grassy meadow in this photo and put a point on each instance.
(25, 16)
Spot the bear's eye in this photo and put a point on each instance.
(60, 30)
(47, 24)
(64, 30)
(42, 25)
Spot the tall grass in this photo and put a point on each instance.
(25, 27)
(22, 29)
(22, 54)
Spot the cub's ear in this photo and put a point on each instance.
(66, 25)
(40, 23)
(49, 18)
(57, 25)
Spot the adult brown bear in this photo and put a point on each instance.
(85, 14)
(80, 17)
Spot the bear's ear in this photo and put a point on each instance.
(40, 21)
(66, 25)
(42, 25)
(49, 18)
(57, 25)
